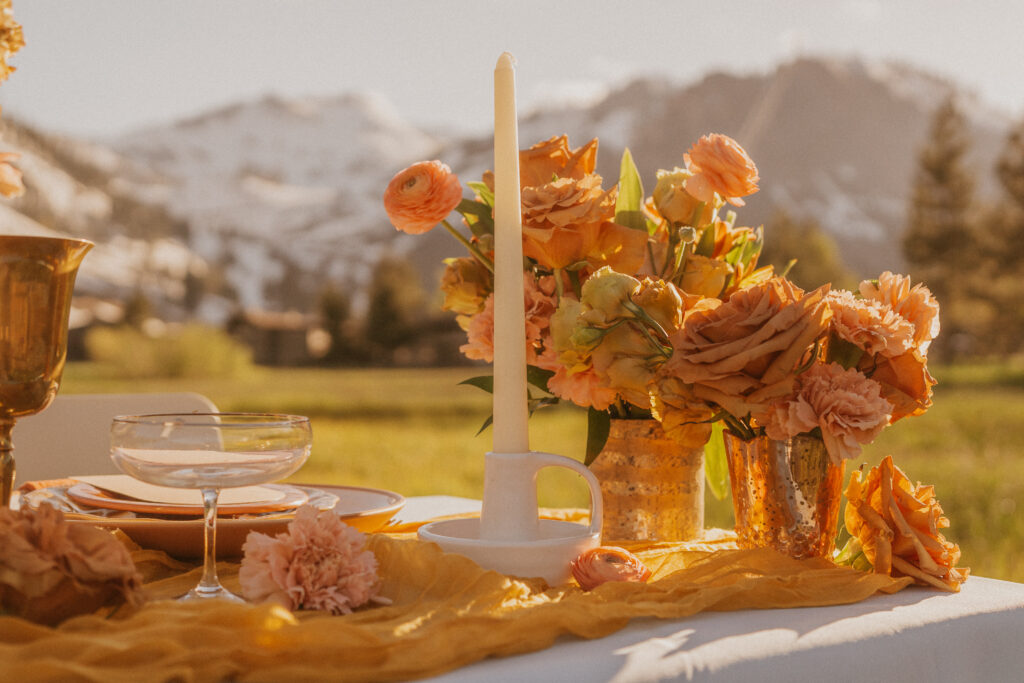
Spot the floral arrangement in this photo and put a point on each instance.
(51, 570)
(11, 40)
(318, 563)
(895, 529)
(610, 273)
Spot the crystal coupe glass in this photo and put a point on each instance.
(210, 451)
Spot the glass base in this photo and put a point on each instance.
(211, 593)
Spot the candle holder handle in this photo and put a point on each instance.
(509, 510)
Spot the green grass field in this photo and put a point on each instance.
(414, 431)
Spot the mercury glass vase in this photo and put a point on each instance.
(785, 494)
(653, 488)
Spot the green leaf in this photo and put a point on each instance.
(706, 245)
(485, 193)
(716, 466)
(538, 377)
(485, 425)
(478, 216)
(599, 423)
(485, 382)
(630, 202)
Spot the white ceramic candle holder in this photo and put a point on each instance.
(509, 537)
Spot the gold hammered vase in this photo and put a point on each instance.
(785, 494)
(653, 488)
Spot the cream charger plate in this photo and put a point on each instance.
(366, 509)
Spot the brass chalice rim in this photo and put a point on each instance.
(236, 420)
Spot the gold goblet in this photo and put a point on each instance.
(37, 275)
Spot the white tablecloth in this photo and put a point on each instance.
(916, 635)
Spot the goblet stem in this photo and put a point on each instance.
(209, 586)
(6, 462)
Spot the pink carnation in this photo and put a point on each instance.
(583, 388)
(539, 305)
(319, 563)
(846, 405)
(916, 304)
(872, 325)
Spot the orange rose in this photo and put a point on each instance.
(720, 165)
(10, 176)
(608, 563)
(675, 204)
(683, 416)
(896, 525)
(743, 354)
(705, 276)
(421, 196)
(552, 158)
(563, 219)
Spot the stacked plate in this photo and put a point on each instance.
(171, 520)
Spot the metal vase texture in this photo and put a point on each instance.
(653, 488)
(37, 275)
(785, 494)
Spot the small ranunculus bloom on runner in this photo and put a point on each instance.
(720, 165)
(844, 404)
(318, 563)
(421, 196)
(608, 563)
(897, 526)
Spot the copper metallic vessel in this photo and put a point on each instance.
(37, 275)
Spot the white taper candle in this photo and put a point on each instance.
(511, 434)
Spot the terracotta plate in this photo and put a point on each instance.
(365, 509)
(87, 494)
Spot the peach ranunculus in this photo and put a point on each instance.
(744, 354)
(915, 303)
(318, 563)
(421, 196)
(719, 165)
(843, 403)
(51, 570)
(608, 563)
(897, 525)
(10, 176)
(870, 325)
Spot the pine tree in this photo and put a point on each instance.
(396, 306)
(818, 259)
(939, 243)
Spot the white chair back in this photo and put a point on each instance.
(72, 436)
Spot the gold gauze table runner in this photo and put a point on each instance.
(446, 613)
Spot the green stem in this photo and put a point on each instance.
(473, 249)
(559, 286)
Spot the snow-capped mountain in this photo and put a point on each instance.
(274, 197)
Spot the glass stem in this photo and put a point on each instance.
(209, 583)
(6, 463)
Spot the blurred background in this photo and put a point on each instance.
(229, 158)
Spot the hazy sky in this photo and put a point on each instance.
(100, 67)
